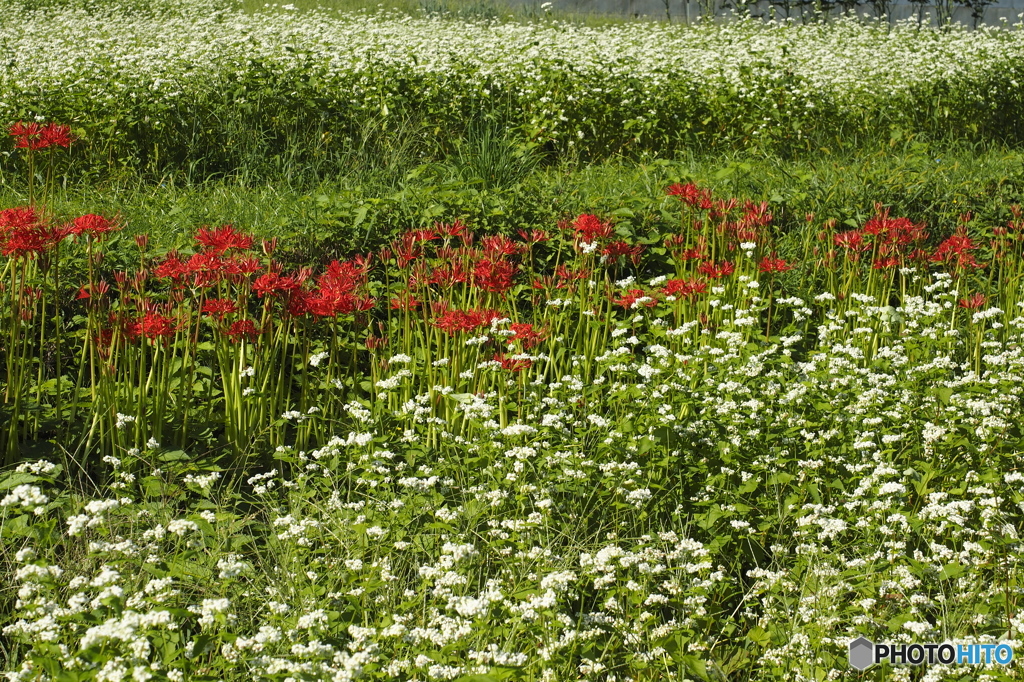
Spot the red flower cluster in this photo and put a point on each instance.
(973, 302)
(527, 335)
(219, 307)
(512, 364)
(242, 330)
(716, 270)
(635, 297)
(33, 136)
(691, 194)
(454, 321)
(222, 239)
(770, 265)
(956, 250)
(588, 228)
(620, 248)
(338, 291)
(92, 225)
(494, 275)
(152, 325)
(24, 232)
(682, 288)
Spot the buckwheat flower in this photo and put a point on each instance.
(123, 420)
(313, 620)
(518, 430)
(26, 496)
(317, 358)
(25, 554)
(210, 609)
(39, 467)
(892, 488)
(180, 527)
(917, 627)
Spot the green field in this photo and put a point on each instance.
(456, 342)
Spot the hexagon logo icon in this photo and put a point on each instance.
(862, 653)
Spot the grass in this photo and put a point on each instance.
(930, 183)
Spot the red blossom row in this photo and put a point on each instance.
(33, 136)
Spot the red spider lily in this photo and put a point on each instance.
(620, 248)
(956, 251)
(274, 283)
(633, 298)
(18, 218)
(973, 302)
(756, 215)
(589, 228)
(743, 231)
(219, 307)
(222, 239)
(269, 246)
(454, 321)
(33, 136)
(206, 269)
(406, 250)
(329, 303)
(770, 265)
(405, 303)
(886, 263)
(344, 276)
(422, 235)
(500, 245)
(852, 241)
(448, 275)
(299, 303)
(674, 242)
(697, 253)
(527, 335)
(242, 266)
(55, 135)
(682, 288)
(691, 194)
(375, 342)
(456, 229)
(242, 329)
(716, 271)
(893, 236)
(91, 225)
(513, 364)
(27, 134)
(33, 239)
(142, 241)
(494, 276)
(171, 268)
(154, 326)
(566, 275)
(533, 236)
(722, 208)
(101, 288)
